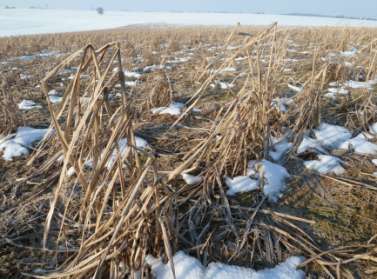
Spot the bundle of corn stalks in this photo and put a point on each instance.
(241, 131)
(162, 91)
(113, 200)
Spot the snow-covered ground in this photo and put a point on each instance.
(33, 21)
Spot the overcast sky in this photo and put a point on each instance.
(360, 8)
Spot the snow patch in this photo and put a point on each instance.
(153, 68)
(43, 54)
(260, 173)
(279, 149)
(360, 145)
(122, 147)
(349, 53)
(240, 184)
(281, 104)
(54, 97)
(88, 165)
(332, 136)
(179, 60)
(25, 76)
(28, 105)
(333, 93)
(132, 83)
(174, 108)
(21, 142)
(309, 144)
(274, 177)
(361, 84)
(134, 75)
(373, 129)
(225, 85)
(296, 89)
(187, 267)
(191, 179)
(228, 70)
(326, 164)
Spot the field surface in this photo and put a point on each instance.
(245, 152)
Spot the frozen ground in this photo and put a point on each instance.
(24, 21)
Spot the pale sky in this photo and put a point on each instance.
(359, 8)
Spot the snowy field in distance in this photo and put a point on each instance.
(32, 21)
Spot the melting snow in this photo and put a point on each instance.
(274, 179)
(54, 97)
(361, 84)
(332, 136)
(240, 184)
(25, 76)
(279, 149)
(297, 89)
(129, 74)
(360, 145)
(228, 70)
(88, 165)
(335, 92)
(349, 53)
(282, 104)
(326, 164)
(309, 144)
(174, 108)
(239, 59)
(44, 54)
(191, 179)
(223, 85)
(130, 83)
(153, 68)
(123, 149)
(373, 129)
(28, 105)
(179, 60)
(271, 176)
(187, 267)
(333, 84)
(21, 142)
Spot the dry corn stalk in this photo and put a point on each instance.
(9, 113)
